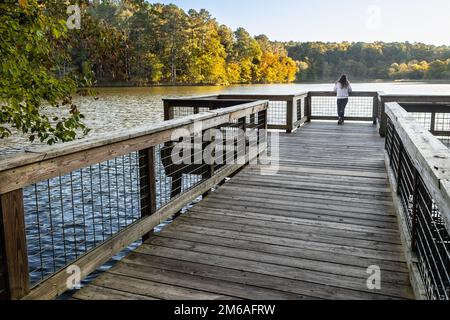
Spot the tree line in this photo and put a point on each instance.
(369, 61)
(136, 42)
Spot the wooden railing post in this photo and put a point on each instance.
(266, 119)
(433, 123)
(3, 272)
(212, 165)
(148, 183)
(400, 168)
(414, 211)
(241, 143)
(14, 245)
(375, 109)
(266, 128)
(308, 107)
(383, 118)
(290, 116)
(167, 111)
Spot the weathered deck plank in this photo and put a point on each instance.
(309, 232)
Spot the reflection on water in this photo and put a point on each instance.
(118, 109)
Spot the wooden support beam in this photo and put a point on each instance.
(276, 127)
(4, 291)
(168, 111)
(13, 238)
(211, 104)
(308, 110)
(212, 165)
(433, 122)
(375, 109)
(290, 116)
(383, 119)
(148, 183)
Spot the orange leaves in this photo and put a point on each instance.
(23, 3)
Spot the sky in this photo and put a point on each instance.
(332, 20)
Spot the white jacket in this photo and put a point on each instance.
(342, 93)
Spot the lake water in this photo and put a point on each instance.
(118, 109)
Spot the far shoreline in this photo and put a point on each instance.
(170, 85)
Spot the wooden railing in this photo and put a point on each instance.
(286, 112)
(418, 104)
(81, 203)
(419, 169)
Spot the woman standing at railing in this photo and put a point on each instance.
(343, 90)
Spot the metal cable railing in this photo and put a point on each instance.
(69, 215)
(362, 106)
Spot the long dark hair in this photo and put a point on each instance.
(344, 81)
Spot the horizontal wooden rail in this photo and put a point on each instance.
(353, 94)
(208, 103)
(426, 107)
(273, 97)
(415, 98)
(20, 171)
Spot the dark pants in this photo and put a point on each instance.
(342, 104)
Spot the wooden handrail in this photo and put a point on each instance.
(431, 158)
(270, 97)
(208, 103)
(426, 107)
(404, 98)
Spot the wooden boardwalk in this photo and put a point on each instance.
(309, 232)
